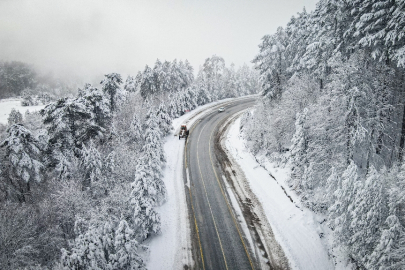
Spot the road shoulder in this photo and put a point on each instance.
(267, 251)
(298, 230)
(177, 229)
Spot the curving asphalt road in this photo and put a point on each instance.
(219, 241)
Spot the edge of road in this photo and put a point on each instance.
(177, 216)
(191, 121)
(266, 249)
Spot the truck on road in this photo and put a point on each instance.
(183, 132)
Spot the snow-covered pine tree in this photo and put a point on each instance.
(180, 103)
(86, 252)
(145, 198)
(157, 72)
(370, 26)
(188, 74)
(341, 212)
(152, 137)
(395, 35)
(213, 70)
(367, 217)
(271, 64)
(390, 247)
(163, 119)
(99, 104)
(148, 189)
(231, 83)
(190, 98)
(172, 108)
(258, 121)
(176, 81)
(298, 150)
(203, 95)
(126, 248)
(59, 117)
(91, 164)
(103, 247)
(131, 84)
(326, 38)
(70, 123)
(298, 31)
(308, 181)
(164, 78)
(397, 193)
(28, 97)
(110, 86)
(390, 250)
(136, 134)
(64, 162)
(247, 81)
(15, 117)
(246, 119)
(332, 184)
(147, 84)
(109, 164)
(23, 162)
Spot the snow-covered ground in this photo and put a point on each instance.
(172, 248)
(7, 104)
(304, 237)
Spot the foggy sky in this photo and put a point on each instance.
(93, 37)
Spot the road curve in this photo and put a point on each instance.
(218, 238)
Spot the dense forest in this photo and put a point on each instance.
(79, 181)
(332, 109)
(18, 79)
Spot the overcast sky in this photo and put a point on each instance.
(99, 36)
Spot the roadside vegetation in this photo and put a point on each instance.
(332, 109)
(79, 181)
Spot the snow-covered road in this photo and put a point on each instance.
(297, 230)
(172, 248)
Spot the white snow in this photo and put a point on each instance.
(172, 248)
(239, 215)
(296, 228)
(7, 104)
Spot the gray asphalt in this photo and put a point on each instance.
(220, 240)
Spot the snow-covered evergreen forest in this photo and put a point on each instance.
(332, 109)
(79, 181)
(35, 88)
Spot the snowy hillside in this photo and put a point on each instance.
(332, 109)
(303, 235)
(6, 105)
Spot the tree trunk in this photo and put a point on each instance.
(402, 141)
(369, 153)
(380, 134)
(348, 145)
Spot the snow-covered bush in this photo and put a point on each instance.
(22, 164)
(105, 246)
(15, 117)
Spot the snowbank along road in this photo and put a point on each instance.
(219, 242)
